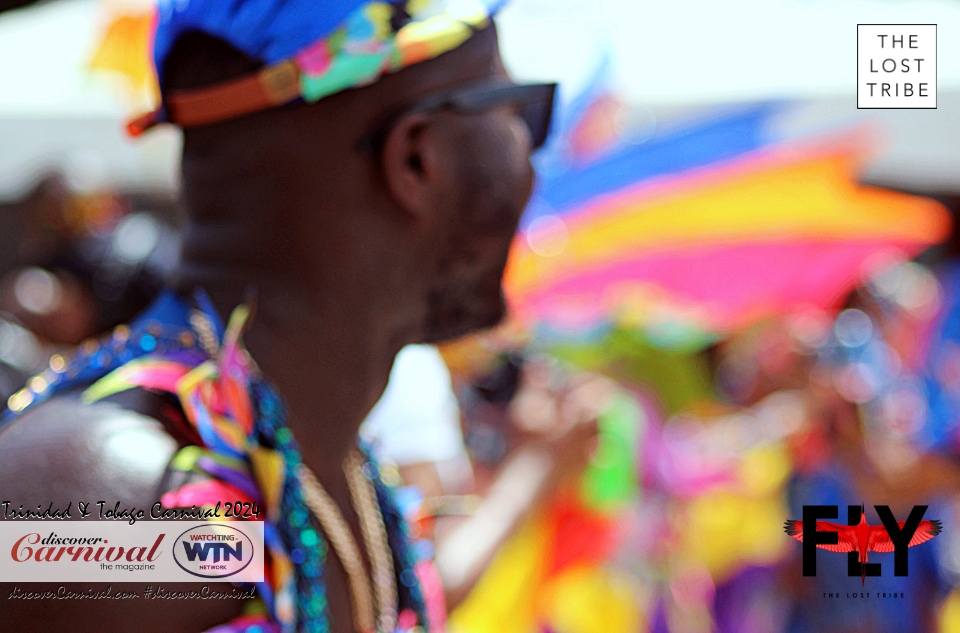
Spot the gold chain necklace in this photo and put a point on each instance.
(375, 537)
(331, 520)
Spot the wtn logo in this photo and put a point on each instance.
(221, 551)
(214, 550)
(859, 538)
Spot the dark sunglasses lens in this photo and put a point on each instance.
(537, 114)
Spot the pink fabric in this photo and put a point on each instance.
(725, 284)
(433, 596)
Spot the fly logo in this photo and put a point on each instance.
(859, 538)
(213, 551)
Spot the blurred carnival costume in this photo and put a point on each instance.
(561, 568)
(235, 425)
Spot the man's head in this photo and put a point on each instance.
(408, 189)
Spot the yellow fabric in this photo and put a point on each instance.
(503, 599)
(125, 50)
(592, 600)
(515, 596)
(950, 613)
(726, 529)
(268, 466)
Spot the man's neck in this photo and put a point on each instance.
(329, 359)
(334, 304)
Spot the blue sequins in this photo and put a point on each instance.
(148, 342)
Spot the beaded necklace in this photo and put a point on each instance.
(164, 350)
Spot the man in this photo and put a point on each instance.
(366, 211)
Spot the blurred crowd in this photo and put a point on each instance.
(81, 259)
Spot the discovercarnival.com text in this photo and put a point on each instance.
(149, 592)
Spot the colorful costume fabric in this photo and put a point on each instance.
(241, 443)
(560, 570)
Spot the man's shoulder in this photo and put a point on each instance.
(65, 449)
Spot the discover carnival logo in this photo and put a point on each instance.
(53, 549)
(113, 551)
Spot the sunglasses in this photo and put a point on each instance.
(533, 101)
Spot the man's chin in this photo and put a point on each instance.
(466, 321)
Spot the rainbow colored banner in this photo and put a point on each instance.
(772, 231)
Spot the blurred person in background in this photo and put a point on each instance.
(84, 262)
(416, 427)
(362, 168)
(538, 552)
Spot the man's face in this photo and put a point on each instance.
(492, 182)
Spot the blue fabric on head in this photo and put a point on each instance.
(267, 30)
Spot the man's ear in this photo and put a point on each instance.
(412, 166)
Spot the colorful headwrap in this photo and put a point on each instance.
(310, 49)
